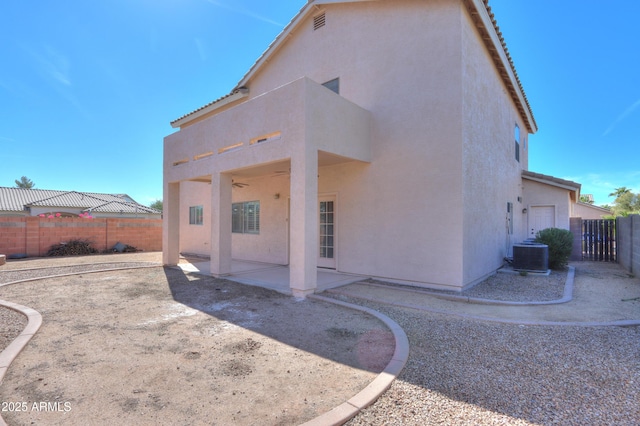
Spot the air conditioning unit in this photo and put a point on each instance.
(531, 257)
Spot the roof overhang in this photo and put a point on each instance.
(236, 95)
(552, 181)
(492, 36)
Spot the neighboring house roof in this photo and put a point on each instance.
(597, 208)
(481, 14)
(18, 199)
(553, 181)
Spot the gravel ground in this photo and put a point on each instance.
(11, 325)
(468, 372)
(12, 322)
(510, 287)
(23, 274)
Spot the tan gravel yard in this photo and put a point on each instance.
(157, 346)
(152, 352)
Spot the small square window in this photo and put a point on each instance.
(195, 215)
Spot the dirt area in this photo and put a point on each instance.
(158, 346)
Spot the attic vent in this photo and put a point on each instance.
(318, 21)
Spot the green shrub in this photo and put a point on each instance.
(560, 242)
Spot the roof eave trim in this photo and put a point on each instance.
(481, 8)
(604, 210)
(236, 95)
(553, 183)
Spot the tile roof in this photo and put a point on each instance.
(17, 199)
(551, 180)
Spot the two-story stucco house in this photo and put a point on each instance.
(374, 137)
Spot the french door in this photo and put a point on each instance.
(327, 240)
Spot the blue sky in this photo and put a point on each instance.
(88, 88)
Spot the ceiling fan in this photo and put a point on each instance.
(281, 173)
(238, 184)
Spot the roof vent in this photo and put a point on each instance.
(318, 21)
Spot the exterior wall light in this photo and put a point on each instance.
(524, 211)
(276, 196)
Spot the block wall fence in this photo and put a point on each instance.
(628, 242)
(34, 236)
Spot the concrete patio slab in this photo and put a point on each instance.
(271, 276)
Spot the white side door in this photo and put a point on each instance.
(541, 217)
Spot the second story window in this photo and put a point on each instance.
(517, 138)
(333, 85)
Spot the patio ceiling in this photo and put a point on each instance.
(277, 167)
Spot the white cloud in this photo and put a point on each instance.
(601, 185)
(245, 12)
(202, 49)
(622, 116)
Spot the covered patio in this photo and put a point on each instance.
(295, 129)
(267, 275)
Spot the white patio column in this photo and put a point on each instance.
(304, 222)
(171, 224)
(220, 224)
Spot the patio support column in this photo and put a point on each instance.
(220, 224)
(171, 224)
(304, 221)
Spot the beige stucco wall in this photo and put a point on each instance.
(195, 239)
(539, 194)
(271, 245)
(491, 171)
(587, 211)
(418, 207)
(416, 166)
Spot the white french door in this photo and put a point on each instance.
(327, 240)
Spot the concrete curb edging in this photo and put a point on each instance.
(566, 297)
(568, 291)
(34, 321)
(337, 416)
(347, 410)
(123, 268)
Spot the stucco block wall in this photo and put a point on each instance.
(271, 245)
(34, 235)
(416, 166)
(587, 211)
(195, 239)
(628, 242)
(491, 170)
(538, 194)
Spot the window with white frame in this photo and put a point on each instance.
(195, 215)
(245, 217)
